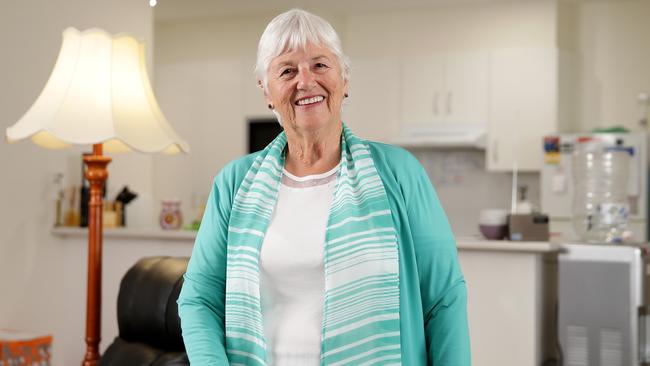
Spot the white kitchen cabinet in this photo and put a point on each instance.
(523, 107)
(449, 88)
(421, 86)
(466, 80)
(512, 293)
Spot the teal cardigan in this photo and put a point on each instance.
(433, 295)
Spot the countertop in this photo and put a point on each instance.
(480, 244)
(463, 243)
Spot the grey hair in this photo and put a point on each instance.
(293, 30)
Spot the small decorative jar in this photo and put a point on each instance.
(170, 215)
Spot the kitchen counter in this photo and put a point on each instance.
(477, 243)
(510, 286)
(473, 243)
(511, 299)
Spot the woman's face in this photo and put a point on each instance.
(306, 88)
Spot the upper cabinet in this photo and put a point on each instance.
(466, 79)
(523, 107)
(444, 88)
(421, 88)
(514, 94)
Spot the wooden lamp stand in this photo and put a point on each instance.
(96, 173)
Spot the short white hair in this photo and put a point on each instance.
(293, 30)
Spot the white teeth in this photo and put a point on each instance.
(310, 100)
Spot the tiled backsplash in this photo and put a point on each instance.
(465, 187)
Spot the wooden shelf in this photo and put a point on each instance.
(128, 233)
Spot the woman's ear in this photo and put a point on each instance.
(260, 84)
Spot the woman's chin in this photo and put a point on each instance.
(312, 124)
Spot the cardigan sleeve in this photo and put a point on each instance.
(442, 286)
(202, 299)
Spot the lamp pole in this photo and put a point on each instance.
(96, 173)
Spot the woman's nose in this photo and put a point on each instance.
(306, 79)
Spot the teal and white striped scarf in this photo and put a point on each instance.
(361, 310)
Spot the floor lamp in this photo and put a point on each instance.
(98, 94)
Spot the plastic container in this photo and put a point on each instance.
(600, 202)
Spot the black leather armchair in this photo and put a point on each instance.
(147, 315)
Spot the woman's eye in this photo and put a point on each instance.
(321, 65)
(285, 72)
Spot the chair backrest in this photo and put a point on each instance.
(146, 305)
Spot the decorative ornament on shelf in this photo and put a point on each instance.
(124, 198)
(98, 94)
(170, 215)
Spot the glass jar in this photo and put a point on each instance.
(600, 202)
(170, 215)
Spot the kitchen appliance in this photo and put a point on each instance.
(557, 183)
(603, 298)
(528, 227)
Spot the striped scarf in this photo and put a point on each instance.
(361, 310)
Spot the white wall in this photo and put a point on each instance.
(42, 278)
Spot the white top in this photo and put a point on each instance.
(292, 280)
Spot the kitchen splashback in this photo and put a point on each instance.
(465, 187)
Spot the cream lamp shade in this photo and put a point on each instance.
(98, 92)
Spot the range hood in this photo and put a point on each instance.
(442, 135)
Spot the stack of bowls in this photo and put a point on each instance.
(493, 223)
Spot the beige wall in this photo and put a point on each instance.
(378, 41)
(614, 52)
(204, 75)
(452, 28)
(204, 78)
(42, 278)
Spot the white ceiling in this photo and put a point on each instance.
(169, 10)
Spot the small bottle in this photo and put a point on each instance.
(110, 218)
(170, 215)
(600, 203)
(59, 200)
(72, 217)
(84, 194)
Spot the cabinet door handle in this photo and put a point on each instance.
(495, 151)
(435, 103)
(449, 96)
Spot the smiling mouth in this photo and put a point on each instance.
(308, 101)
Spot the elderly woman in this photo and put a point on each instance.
(323, 248)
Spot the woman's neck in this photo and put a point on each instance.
(312, 153)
